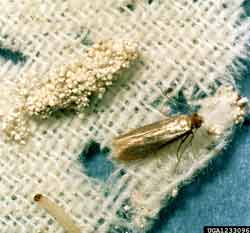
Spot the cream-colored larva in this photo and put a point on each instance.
(57, 212)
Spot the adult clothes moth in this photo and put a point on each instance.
(139, 142)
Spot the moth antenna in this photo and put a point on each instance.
(57, 212)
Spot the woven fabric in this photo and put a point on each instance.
(186, 45)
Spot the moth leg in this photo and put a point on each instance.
(178, 154)
(192, 138)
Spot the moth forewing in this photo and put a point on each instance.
(139, 142)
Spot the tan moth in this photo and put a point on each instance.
(139, 142)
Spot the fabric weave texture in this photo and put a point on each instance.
(188, 46)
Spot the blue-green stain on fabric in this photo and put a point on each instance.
(86, 39)
(179, 105)
(132, 5)
(95, 161)
(119, 229)
(126, 214)
(129, 6)
(246, 6)
(14, 56)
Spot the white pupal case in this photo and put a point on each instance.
(188, 46)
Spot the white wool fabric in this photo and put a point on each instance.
(185, 45)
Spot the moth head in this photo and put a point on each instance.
(196, 121)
